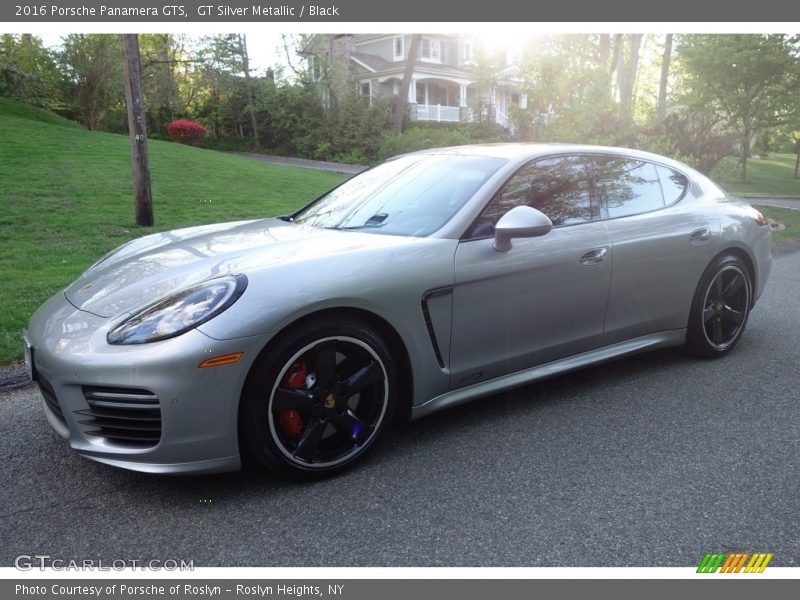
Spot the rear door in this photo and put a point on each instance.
(660, 244)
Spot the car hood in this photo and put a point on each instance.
(151, 267)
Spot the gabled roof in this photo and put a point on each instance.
(371, 62)
(378, 65)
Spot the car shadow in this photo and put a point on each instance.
(409, 438)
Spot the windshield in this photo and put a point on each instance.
(412, 195)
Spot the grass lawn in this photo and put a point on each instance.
(66, 199)
(771, 176)
(787, 216)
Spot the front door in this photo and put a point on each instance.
(546, 297)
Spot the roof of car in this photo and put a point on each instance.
(531, 150)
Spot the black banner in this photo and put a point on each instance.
(417, 11)
(397, 589)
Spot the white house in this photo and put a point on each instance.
(444, 81)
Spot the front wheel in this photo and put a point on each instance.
(319, 398)
(720, 308)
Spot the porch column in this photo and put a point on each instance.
(462, 95)
(523, 101)
(412, 91)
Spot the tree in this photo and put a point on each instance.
(229, 88)
(92, 75)
(750, 79)
(27, 69)
(162, 56)
(568, 80)
(240, 46)
(661, 110)
(627, 66)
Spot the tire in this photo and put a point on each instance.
(319, 398)
(720, 308)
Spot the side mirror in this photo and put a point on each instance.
(520, 222)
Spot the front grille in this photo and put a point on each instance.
(124, 416)
(50, 399)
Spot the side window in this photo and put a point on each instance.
(560, 187)
(673, 184)
(630, 186)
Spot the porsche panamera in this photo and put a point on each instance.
(432, 279)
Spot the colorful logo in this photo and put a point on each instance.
(734, 562)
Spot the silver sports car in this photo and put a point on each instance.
(432, 279)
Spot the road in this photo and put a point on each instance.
(653, 460)
(321, 165)
(793, 203)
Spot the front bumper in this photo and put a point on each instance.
(188, 415)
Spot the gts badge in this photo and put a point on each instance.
(472, 377)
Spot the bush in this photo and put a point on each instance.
(419, 138)
(700, 140)
(186, 131)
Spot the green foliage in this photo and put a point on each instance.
(597, 127)
(422, 135)
(67, 200)
(752, 80)
(697, 138)
(92, 80)
(354, 130)
(568, 75)
(27, 70)
(290, 117)
(419, 138)
(164, 64)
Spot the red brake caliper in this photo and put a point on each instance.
(290, 421)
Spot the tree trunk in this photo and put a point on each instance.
(140, 166)
(797, 164)
(745, 151)
(604, 50)
(250, 95)
(626, 73)
(662, 87)
(402, 100)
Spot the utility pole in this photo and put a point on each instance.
(137, 128)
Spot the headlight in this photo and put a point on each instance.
(178, 313)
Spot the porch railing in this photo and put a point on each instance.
(437, 112)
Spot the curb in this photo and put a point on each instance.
(14, 376)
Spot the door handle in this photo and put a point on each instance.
(593, 257)
(700, 236)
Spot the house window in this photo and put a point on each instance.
(467, 50)
(366, 89)
(398, 48)
(431, 49)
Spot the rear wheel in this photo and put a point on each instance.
(319, 398)
(720, 308)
